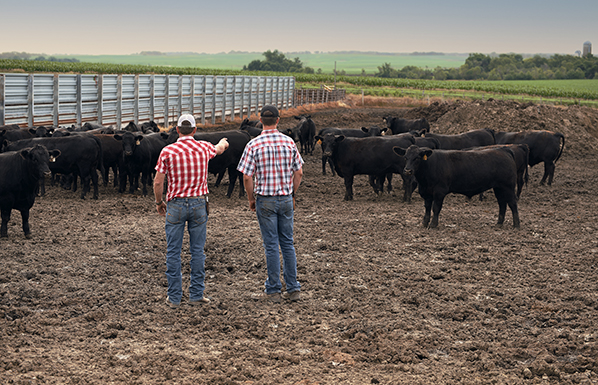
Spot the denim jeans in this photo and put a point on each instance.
(275, 216)
(181, 211)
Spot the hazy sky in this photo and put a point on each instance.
(457, 26)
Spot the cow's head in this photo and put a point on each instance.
(329, 143)
(373, 131)
(130, 141)
(39, 158)
(414, 156)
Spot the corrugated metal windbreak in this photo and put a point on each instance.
(72, 99)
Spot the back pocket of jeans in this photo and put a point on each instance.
(173, 214)
(199, 215)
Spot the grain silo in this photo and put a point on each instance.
(587, 48)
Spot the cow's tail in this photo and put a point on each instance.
(526, 174)
(100, 165)
(562, 140)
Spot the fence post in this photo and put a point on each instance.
(136, 101)
(56, 101)
(224, 95)
(79, 100)
(203, 101)
(249, 97)
(179, 110)
(234, 96)
(151, 98)
(241, 110)
(2, 100)
(166, 99)
(119, 99)
(192, 96)
(30, 100)
(214, 99)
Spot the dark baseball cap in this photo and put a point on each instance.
(269, 111)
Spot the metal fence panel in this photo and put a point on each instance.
(66, 99)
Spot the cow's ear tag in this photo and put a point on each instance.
(319, 142)
(52, 159)
(425, 157)
(138, 142)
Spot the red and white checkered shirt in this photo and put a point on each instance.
(271, 158)
(185, 163)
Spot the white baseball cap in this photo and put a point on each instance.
(186, 118)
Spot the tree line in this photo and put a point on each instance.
(503, 67)
(28, 56)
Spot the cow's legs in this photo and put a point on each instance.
(232, 179)
(428, 210)
(95, 181)
(331, 166)
(436, 207)
(324, 160)
(515, 212)
(502, 209)
(4, 227)
(25, 220)
(349, 188)
(219, 178)
(548, 172)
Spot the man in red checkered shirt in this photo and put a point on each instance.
(185, 165)
(272, 159)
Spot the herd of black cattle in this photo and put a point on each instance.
(468, 163)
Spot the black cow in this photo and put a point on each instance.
(12, 135)
(521, 154)
(139, 157)
(253, 131)
(149, 127)
(228, 160)
(409, 139)
(371, 156)
(440, 172)
(362, 132)
(400, 125)
(544, 146)
(474, 138)
(80, 155)
(307, 133)
(112, 155)
(20, 174)
(252, 123)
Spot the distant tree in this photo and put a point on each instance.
(277, 62)
(386, 71)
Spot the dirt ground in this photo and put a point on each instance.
(384, 300)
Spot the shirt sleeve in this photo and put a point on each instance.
(246, 164)
(161, 166)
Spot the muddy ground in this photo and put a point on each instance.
(384, 300)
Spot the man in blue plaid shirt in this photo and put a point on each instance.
(272, 171)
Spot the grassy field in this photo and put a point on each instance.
(351, 63)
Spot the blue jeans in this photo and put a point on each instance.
(275, 216)
(181, 211)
